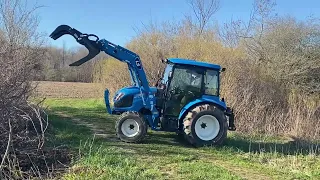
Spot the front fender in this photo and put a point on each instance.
(203, 99)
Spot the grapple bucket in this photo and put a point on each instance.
(93, 46)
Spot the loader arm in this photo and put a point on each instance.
(120, 53)
(95, 46)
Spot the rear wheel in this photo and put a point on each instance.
(131, 127)
(205, 125)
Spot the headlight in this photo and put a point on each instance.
(119, 96)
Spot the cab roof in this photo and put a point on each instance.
(194, 63)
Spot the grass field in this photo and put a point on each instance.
(87, 130)
(51, 89)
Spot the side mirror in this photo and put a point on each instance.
(223, 69)
(164, 61)
(170, 74)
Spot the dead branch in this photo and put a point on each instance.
(4, 157)
(204, 10)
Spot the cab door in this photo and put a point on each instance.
(185, 85)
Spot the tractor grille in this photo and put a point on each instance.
(125, 101)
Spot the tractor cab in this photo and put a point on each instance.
(185, 82)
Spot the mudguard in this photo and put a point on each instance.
(203, 99)
(213, 100)
(93, 46)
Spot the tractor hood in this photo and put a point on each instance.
(131, 90)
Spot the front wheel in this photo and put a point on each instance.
(131, 127)
(205, 125)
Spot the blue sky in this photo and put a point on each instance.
(115, 20)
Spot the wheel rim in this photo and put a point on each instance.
(207, 127)
(130, 128)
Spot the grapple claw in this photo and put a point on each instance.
(92, 46)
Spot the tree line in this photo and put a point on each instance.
(55, 65)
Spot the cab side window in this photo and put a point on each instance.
(211, 81)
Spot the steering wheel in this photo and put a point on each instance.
(190, 92)
(179, 91)
(176, 90)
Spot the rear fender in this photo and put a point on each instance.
(202, 100)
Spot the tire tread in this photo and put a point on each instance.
(144, 132)
(187, 124)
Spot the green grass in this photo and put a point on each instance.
(163, 155)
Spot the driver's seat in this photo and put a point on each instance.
(188, 97)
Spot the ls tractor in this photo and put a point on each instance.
(186, 99)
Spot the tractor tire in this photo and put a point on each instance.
(131, 127)
(205, 125)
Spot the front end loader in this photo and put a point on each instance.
(186, 99)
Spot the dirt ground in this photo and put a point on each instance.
(52, 89)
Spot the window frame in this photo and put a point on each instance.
(218, 82)
(203, 72)
(164, 75)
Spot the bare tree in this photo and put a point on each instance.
(284, 48)
(204, 10)
(291, 50)
(229, 33)
(64, 54)
(251, 32)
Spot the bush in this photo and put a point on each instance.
(22, 125)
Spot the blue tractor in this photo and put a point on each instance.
(186, 98)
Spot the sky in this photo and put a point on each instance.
(116, 20)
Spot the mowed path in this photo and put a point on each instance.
(106, 132)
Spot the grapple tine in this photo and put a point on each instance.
(92, 53)
(60, 31)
